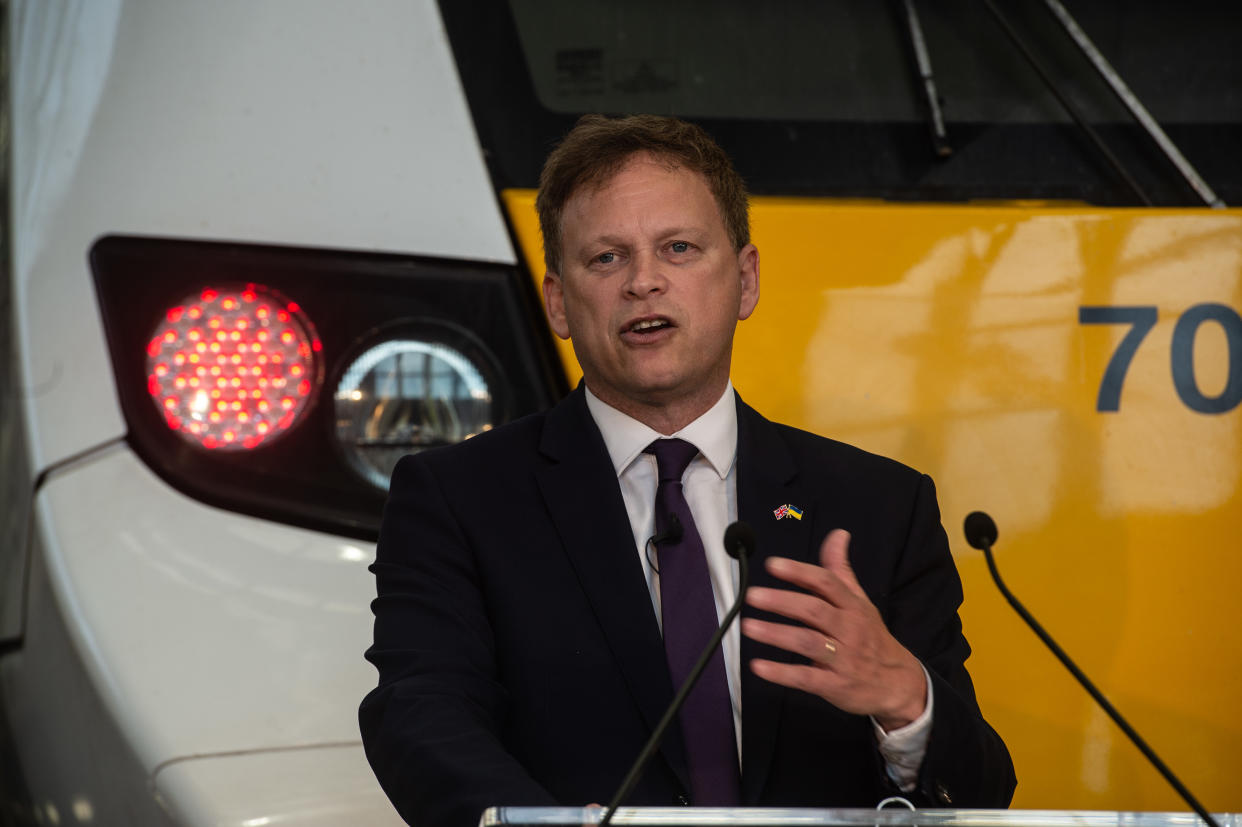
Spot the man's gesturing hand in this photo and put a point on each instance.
(856, 665)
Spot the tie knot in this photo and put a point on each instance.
(672, 457)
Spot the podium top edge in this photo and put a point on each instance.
(800, 817)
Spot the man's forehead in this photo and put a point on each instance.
(680, 213)
(605, 175)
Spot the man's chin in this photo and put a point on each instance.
(657, 391)
(654, 389)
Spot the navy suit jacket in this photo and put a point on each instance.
(520, 661)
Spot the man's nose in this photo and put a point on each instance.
(646, 275)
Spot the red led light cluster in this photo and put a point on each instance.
(231, 369)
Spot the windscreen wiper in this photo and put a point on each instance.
(1068, 106)
(940, 138)
(1140, 113)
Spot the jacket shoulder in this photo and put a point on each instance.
(491, 451)
(820, 456)
(847, 458)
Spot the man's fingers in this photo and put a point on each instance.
(815, 579)
(805, 608)
(834, 554)
(812, 645)
(854, 662)
(810, 679)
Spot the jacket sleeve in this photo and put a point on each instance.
(966, 763)
(432, 728)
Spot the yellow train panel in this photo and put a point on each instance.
(1077, 373)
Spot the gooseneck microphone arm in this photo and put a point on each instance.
(981, 533)
(739, 541)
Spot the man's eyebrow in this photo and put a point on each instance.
(610, 240)
(604, 239)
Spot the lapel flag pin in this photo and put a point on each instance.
(788, 511)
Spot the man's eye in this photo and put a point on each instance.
(606, 258)
(679, 246)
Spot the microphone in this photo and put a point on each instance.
(671, 534)
(981, 533)
(739, 542)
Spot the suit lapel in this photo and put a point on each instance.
(580, 488)
(767, 478)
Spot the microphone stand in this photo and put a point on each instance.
(981, 533)
(657, 736)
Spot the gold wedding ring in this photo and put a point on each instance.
(830, 649)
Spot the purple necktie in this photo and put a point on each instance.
(688, 611)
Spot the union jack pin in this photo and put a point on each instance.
(788, 511)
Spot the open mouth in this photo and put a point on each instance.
(647, 326)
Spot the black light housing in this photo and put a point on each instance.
(355, 300)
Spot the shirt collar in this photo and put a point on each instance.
(714, 433)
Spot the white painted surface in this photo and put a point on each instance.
(321, 124)
(205, 631)
(73, 758)
(162, 629)
(324, 787)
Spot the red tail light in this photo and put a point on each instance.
(233, 369)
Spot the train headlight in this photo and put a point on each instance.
(405, 395)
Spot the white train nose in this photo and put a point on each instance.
(323, 786)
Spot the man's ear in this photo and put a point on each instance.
(748, 269)
(554, 304)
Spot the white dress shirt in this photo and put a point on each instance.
(710, 486)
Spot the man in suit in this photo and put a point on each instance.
(529, 635)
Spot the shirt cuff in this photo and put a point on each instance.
(903, 748)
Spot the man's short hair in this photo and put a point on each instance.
(598, 146)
